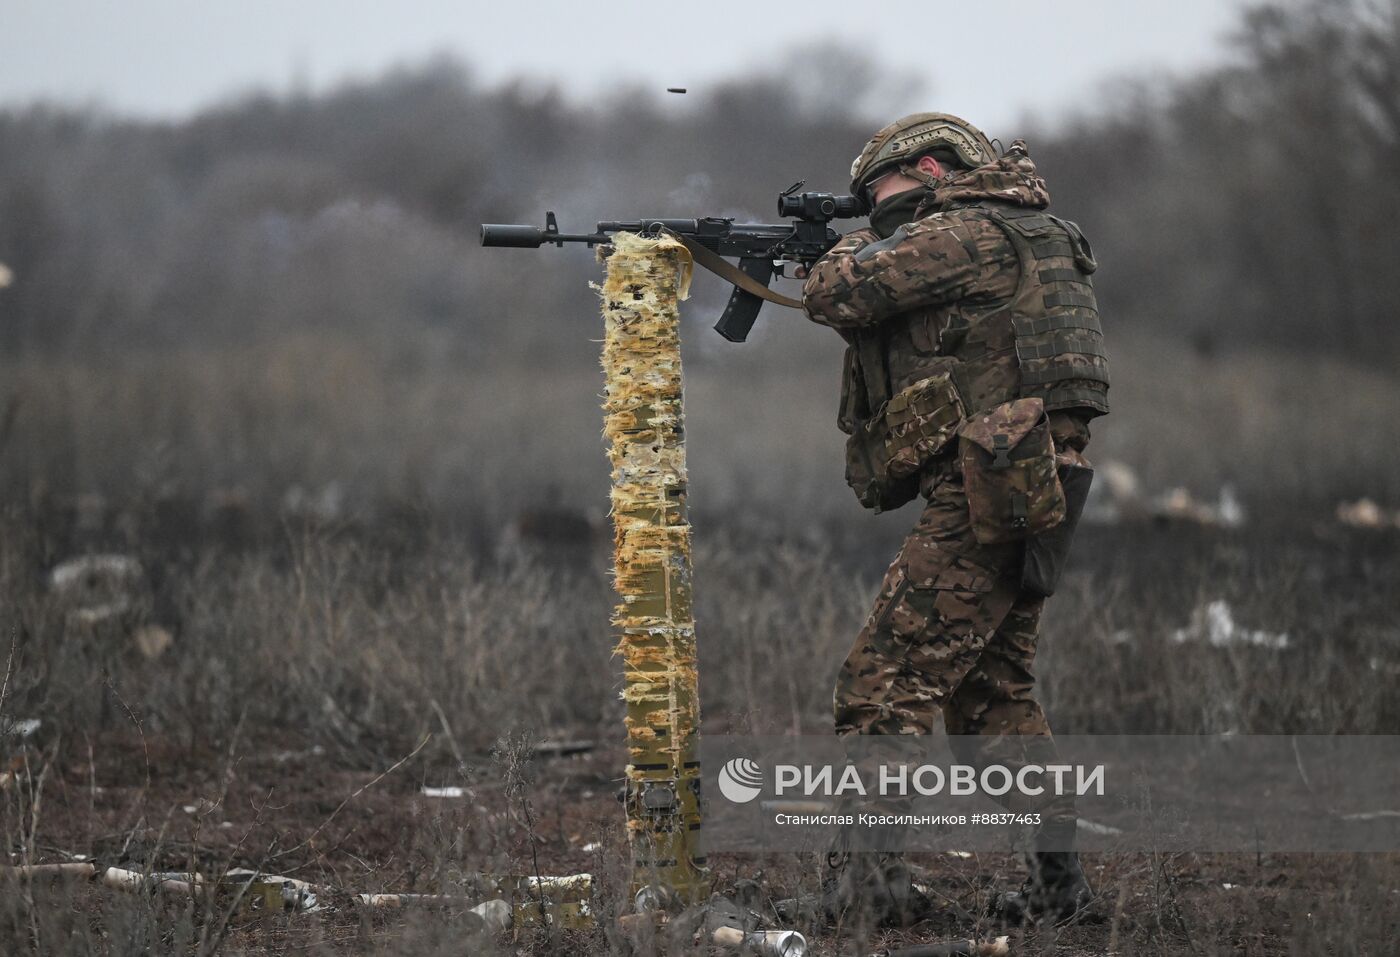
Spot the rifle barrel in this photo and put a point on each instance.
(500, 234)
(532, 237)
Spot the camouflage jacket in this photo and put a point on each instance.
(955, 283)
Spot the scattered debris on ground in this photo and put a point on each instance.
(1180, 505)
(110, 591)
(1366, 513)
(98, 588)
(450, 791)
(1118, 496)
(564, 901)
(152, 640)
(1214, 623)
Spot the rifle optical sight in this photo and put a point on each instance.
(818, 207)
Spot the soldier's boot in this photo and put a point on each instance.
(870, 888)
(1056, 889)
(1059, 889)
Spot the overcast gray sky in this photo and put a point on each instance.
(994, 62)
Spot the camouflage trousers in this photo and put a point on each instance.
(952, 635)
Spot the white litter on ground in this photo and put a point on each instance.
(1117, 495)
(1366, 513)
(1214, 623)
(21, 728)
(444, 792)
(91, 572)
(1384, 667)
(1093, 827)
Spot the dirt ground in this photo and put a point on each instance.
(274, 803)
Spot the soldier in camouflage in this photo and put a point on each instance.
(973, 366)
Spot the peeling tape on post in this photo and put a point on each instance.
(644, 429)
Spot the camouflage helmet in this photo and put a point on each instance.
(896, 146)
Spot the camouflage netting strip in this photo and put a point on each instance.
(646, 278)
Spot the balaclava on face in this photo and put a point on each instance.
(894, 211)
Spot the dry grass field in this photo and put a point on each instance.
(351, 558)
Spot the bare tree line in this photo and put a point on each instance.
(1253, 204)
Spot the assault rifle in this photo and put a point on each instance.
(761, 248)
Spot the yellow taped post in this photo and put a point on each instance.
(646, 278)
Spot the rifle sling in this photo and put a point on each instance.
(727, 271)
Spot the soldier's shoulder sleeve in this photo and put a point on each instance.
(821, 292)
(938, 259)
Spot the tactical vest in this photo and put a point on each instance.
(1045, 340)
(1054, 316)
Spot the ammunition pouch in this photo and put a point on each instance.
(867, 470)
(919, 421)
(1009, 472)
(886, 453)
